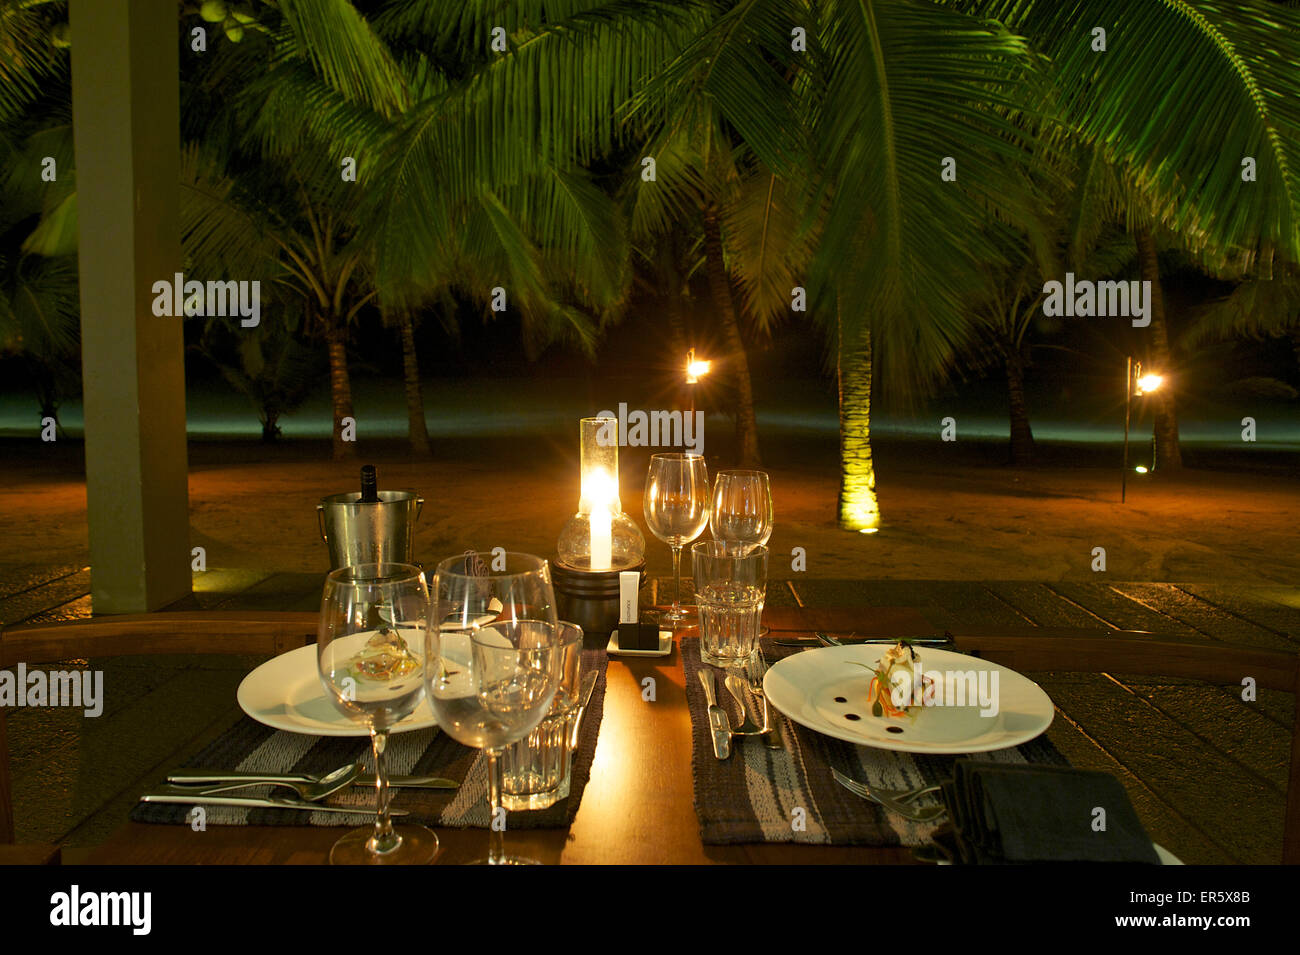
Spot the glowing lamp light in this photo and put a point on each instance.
(1149, 383)
(1140, 469)
(601, 496)
(696, 368)
(600, 537)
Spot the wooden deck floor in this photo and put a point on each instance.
(1206, 770)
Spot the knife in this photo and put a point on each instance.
(584, 695)
(207, 777)
(855, 641)
(719, 725)
(250, 802)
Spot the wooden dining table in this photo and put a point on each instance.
(637, 808)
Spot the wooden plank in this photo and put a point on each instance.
(29, 603)
(17, 578)
(1183, 772)
(1239, 731)
(1117, 610)
(1203, 617)
(280, 592)
(1164, 822)
(1043, 606)
(1256, 605)
(63, 778)
(200, 632)
(29, 854)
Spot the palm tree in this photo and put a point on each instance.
(1143, 102)
(901, 251)
(39, 307)
(268, 364)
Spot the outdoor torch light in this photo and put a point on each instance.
(696, 368)
(599, 541)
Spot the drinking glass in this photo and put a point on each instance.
(741, 508)
(535, 770)
(370, 654)
(730, 589)
(494, 661)
(676, 508)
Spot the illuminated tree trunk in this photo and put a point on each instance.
(340, 390)
(858, 510)
(720, 295)
(417, 429)
(1168, 456)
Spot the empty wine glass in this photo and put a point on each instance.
(676, 508)
(370, 654)
(741, 508)
(494, 661)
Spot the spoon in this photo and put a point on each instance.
(736, 684)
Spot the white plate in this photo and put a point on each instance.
(806, 685)
(285, 693)
(1166, 857)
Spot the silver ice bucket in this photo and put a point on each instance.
(369, 533)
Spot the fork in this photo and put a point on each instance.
(771, 732)
(893, 800)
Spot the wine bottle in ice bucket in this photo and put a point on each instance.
(375, 527)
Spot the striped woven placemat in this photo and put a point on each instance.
(763, 795)
(252, 747)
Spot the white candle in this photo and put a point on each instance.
(599, 498)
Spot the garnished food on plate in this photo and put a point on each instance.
(896, 669)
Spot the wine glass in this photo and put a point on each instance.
(370, 654)
(741, 508)
(676, 508)
(494, 660)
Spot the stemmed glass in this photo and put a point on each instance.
(676, 508)
(370, 654)
(741, 508)
(494, 661)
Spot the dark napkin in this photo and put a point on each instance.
(1007, 813)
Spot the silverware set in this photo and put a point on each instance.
(210, 787)
(736, 682)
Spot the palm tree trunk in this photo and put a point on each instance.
(1168, 456)
(1022, 435)
(340, 389)
(858, 509)
(270, 426)
(417, 429)
(746, 424)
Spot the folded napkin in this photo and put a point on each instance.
(1005, 813)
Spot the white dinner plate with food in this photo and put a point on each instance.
(829, 690)
(285, 693)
